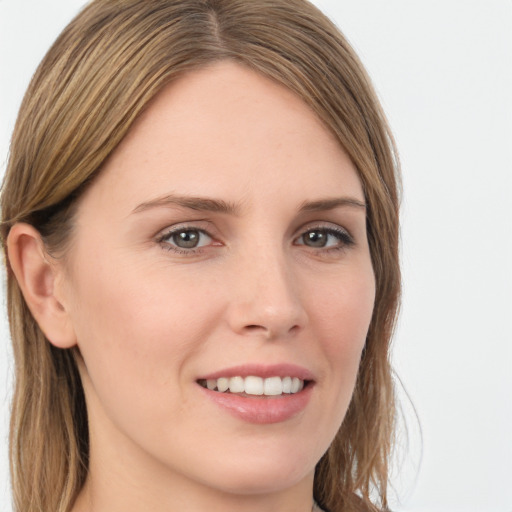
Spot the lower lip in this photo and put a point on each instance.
(262, 409)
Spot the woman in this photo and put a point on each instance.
(200, 219)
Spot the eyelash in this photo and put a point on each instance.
(343, 236)
(164, 240)
(345, 239)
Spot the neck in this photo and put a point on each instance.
(111, 496)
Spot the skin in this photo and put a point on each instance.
(149, 318)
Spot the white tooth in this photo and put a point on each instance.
(273, 386)
(301, 385)
(287, 385)
(295, 385)
(211, 384)
(222, 384)
(236, 385)
(253, 385)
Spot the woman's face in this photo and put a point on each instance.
(224, 243)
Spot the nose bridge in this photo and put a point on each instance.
(267, 299)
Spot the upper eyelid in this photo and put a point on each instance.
(343, 233)
(198, 225)
(166, 235)
(170, 231)
(323, 224)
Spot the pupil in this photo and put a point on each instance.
(186, 239)
(315, 239)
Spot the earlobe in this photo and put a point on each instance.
(37, 275)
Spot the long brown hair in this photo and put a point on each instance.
(96, 79)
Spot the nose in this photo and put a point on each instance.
(266, 299)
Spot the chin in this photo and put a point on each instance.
(263, 473)
(254, 483)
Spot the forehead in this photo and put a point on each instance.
(226, 130)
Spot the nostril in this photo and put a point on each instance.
(269, 332)
(255, 328)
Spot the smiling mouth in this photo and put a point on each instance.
(255, 386)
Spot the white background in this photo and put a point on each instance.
(442, 69)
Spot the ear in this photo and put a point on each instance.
(38, 274)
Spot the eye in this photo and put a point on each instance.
(325, 238)
(185, 239)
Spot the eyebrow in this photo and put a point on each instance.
(331, 204)
(229, 208)
(191, 202)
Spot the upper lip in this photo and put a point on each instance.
(262, 370)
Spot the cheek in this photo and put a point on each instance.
(344, 309)
(136, 330)
(342, 316)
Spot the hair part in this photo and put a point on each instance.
(95, 81)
